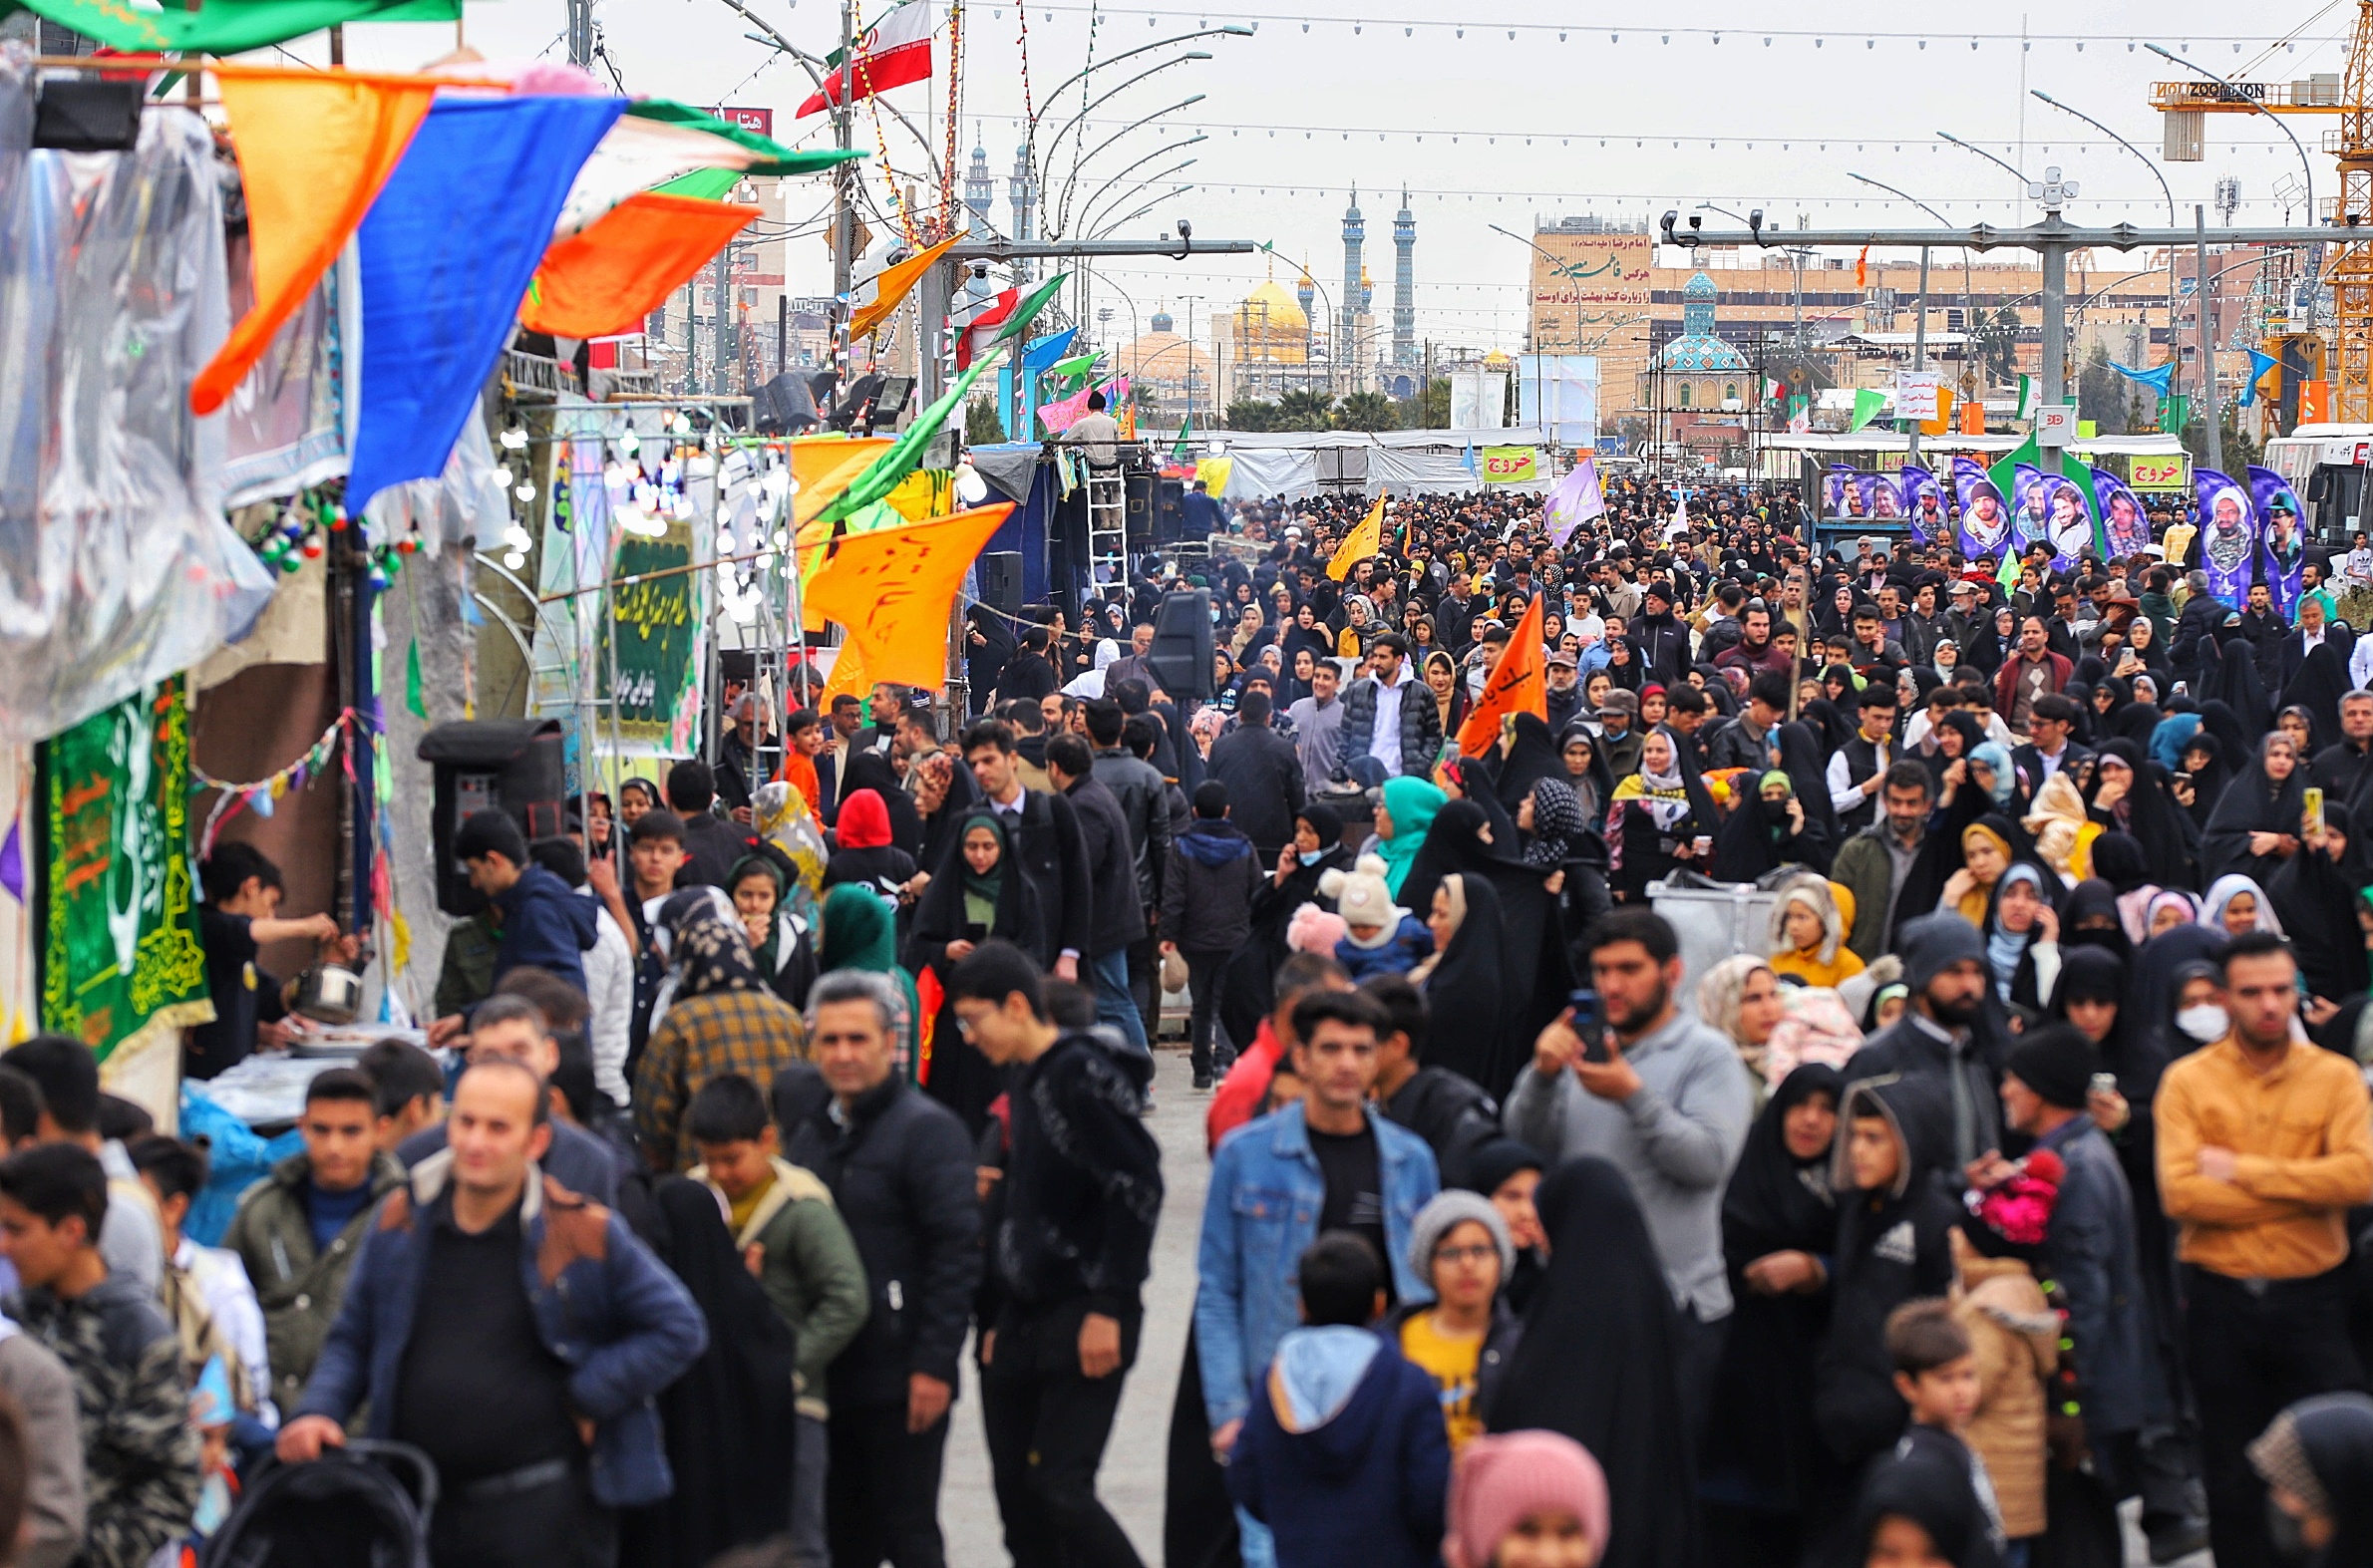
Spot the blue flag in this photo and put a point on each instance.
(2156, 378)
(2259, 363)
(447, 253)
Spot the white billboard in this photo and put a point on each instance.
(1561, 393)
(1477, 399)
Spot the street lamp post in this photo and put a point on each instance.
(2174, 351)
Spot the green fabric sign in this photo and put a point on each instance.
(222, 27)
(655, 632)
(120, 947)
(1868, 405)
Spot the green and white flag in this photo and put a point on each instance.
(1178, 448)
(2027, 400)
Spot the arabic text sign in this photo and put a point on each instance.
(2170, 472)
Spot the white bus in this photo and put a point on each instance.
(2326, 464)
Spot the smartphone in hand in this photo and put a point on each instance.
(1589, 1022)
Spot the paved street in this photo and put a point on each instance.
(1133, 1462)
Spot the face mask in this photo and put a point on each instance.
(1310, 856)
(2206, 1023)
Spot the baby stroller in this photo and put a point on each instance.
(365, 1505)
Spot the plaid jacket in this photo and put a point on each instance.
(699, 1038)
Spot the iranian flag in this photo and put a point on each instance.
(1008, 315)
(893, 52)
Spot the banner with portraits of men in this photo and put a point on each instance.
(1985, 528)
(2227, 535)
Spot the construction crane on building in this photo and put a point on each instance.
(2347, 94)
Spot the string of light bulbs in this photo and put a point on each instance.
(1713, 36)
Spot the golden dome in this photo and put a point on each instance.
(1269, 327)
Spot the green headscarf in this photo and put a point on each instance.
(859, 932)
(980, 892)
(1412, 804)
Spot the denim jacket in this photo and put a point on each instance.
(603, 1304)
(1260, 1211)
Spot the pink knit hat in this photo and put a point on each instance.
(1501, 1481)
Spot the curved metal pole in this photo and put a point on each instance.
(1131, 218)
(1136, 125)
(1231, 30)
(2174, 350)
(1098, 196)
(1968, 292)
(814, 69)
(1130, 194)
(1079, 122)
(2305, 167)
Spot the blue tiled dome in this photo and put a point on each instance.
(1699, 347)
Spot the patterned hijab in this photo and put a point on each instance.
(709, 952)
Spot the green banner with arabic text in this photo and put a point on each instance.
(119, 946)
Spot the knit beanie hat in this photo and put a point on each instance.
(2057, 1062)
(1361, 896)
(1935, 943)
(1501, 1480)
(1444, 1212)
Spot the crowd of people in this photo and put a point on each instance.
(2016, 1172)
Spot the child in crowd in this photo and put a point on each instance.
(2014, 1340)
(793, 1240)
(1344, 1453)
(1937, 1372)
(1381, 938)
(1526, 1499)
(1459, 1246)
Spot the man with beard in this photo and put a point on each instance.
(1947, 1032)
(1984, 527)
(1667, 1103)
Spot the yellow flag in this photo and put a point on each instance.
(892, 287)
(847, 678)
(894, 588)
(1361, 542)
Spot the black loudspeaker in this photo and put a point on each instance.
(517, 765)
(1140, 491)
(88, 113)
(1170, 511)
(1000, 576)
(1182, 654)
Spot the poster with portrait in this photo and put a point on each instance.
(2028, 501)
(1840, 498)
(2227, 535)
(1984, 529)
(2125, 526)
(2279, 531)
(2067, 520)
(1882, 499)
(1923, 506)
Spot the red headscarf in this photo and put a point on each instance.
(865, 822)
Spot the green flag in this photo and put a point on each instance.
(2175, 410)
(1178, 448)
(2026, 401)
(1077, 365)
(224, 27)
(1869, 402)
(906, 454)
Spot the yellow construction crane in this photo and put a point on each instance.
(2347, 92)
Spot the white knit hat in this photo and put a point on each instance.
(1361, 896)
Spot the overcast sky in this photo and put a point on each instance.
(1485, 129)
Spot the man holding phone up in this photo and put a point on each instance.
(1666, 1099)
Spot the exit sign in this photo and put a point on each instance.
(760, 121)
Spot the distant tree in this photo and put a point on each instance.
(982, 427)
(1998, 344)
(1251, 414)
(1430, 408)
(1369, 411)
(1302, 408)
(2100, 393)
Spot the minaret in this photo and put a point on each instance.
(980, 195)
(1024, 190)
(1347, 303)
(1404, 284)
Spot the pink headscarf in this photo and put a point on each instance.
(1501, 1481)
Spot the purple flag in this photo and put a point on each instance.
(2125, 526)
(2279, 514)
(1985, 521)
(2027, 503)
(1923, 504)
(2227, 535)
(1837, 488)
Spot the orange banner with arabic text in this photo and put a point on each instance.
(1519, 685)
(893, 590)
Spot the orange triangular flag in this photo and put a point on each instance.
(609, 275)
(892, 286)
(1862, 268)
(1366, 539)
(1519, 685)
(894, 588)
(314, 148)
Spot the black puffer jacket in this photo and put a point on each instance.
(1421, 727)
(901, 1173)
